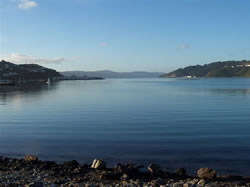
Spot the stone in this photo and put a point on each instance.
(88, 185)
(47, 165)
(208, 185)
(181, 172)
(202, 182)
(125, 177)
(30, 158)
(85, 166)
(76, 171)
(34, 184)
(206, 173)
(98, 164)
(160, 181)
(139, 166)
(128, 169)
(108, 175)
(178, 184)
(232, 177)
(72, 164)
(194, 182)
(154, 169)
(188, 185)
(119, 168)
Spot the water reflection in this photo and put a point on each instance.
(15, 94)
(175, 123)
(229, 92)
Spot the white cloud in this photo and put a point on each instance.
(26, 4)
(104, 44)
(183, 46)
(24, 59)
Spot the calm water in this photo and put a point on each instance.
(176, 123)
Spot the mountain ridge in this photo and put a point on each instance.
(215, 69)
(113, 74)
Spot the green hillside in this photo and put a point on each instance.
(216, 69)
(12, 71)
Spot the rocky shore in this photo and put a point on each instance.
(31, 172)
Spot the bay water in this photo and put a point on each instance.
(172, 122)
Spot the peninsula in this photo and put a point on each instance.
(33, 72)
(24, 72)
(216, 69)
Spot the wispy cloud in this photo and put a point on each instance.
(104, 44)
(24, 59)
(183, 46)
(26, 4)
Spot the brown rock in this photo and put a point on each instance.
(119, 168)
(155, 169)
(206, 173)
(30, 158)
(125, 177)
(34, 184)
(202, 182)
(108, 175)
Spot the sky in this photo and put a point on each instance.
(124, 35)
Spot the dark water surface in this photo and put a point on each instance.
(173, 122)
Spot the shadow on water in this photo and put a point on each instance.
(30, 89)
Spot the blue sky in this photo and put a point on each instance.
(124, 35)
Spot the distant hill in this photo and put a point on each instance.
(12, 71)
(112, 74)
(216, 69)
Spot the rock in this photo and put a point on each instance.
(34, 184)
(206, 173)
(128, 169)
(46, 165)
(195, 181)
(88, 185)
(98, 164)
(72, 163)
(180, 171)
(139, 166)
(30, 158)
(85, 166)
(155, 169)
(160, 181)
(208, 185)
(178, 184)
(119, 168)
(130, 166)
(232, 177)
(125, 177)
(108, 175)
(188, 185)
(76, 171)
(202, 182)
